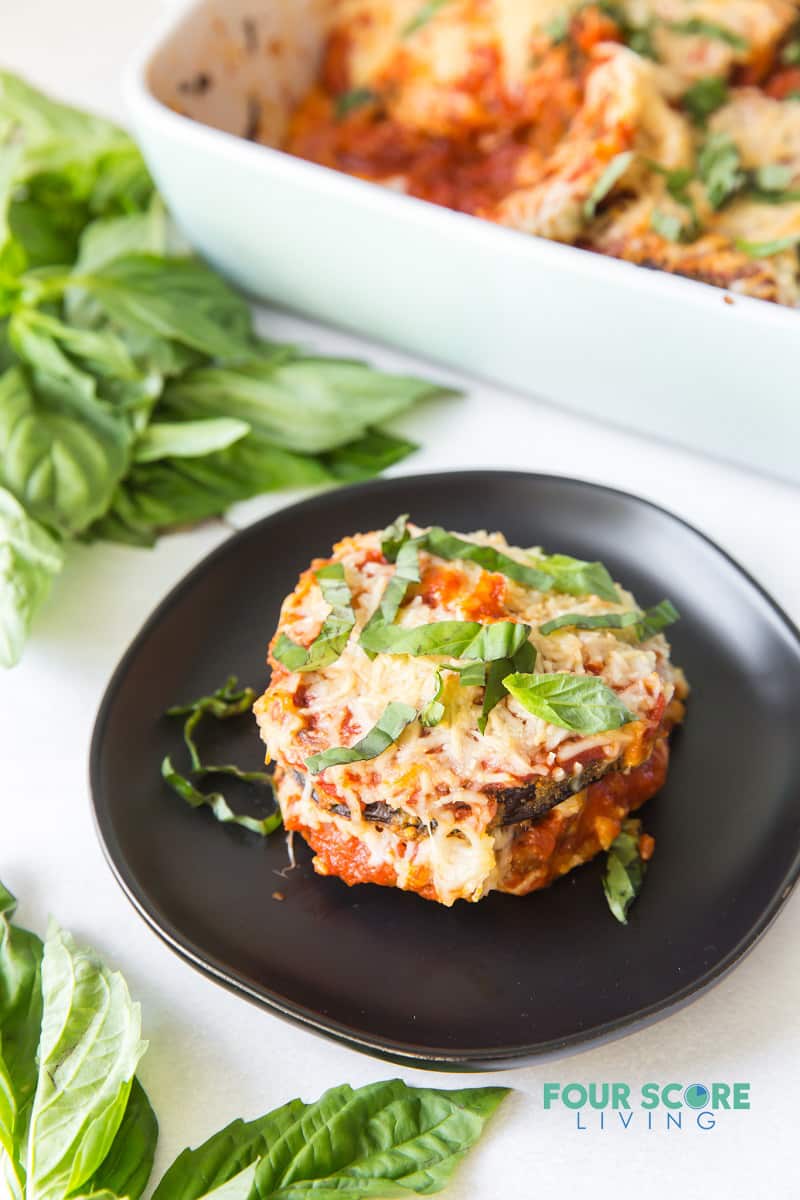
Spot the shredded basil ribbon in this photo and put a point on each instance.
(646, 624)
(335, 633)
(394, 719)
(580, 703)
(217, 802)
(624, 870)
(458, 639)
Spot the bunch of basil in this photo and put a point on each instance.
(134, 393)
(76, 1123)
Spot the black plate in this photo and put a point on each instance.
(503, 981)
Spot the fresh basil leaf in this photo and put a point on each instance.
(89, 1048)
(458, 639)
(154, 497)
(308, 405)
(126, 1168)
(336, 628)
(720, 168)
(591, 621)
(698, 27)
(187, 439)
(176, 298)
(216, 801)
(384, 1139)
(62, 451)
(609, 177)
(580, 703)
(448, 546)
(424, 14)
(29, 560)
(432, 712)
(394, 537)
(355, 98)
(656, 618)
(625, 870)
(367, 456)
(767, 249)
(704, 98)
(578, 578)
(101, 351)
(20, 1022)
(394, 719)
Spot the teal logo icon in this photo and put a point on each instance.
(697, 1095)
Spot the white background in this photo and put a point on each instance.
(212, 1056)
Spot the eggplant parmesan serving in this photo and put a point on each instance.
(662, 132)
(451, 715)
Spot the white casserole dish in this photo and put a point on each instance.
(645, 350)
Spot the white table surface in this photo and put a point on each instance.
(213, 1056)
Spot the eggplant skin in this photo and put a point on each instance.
(534, 800)
(529, 802)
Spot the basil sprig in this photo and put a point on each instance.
(646, 624)
(624, 870)
(335, 633)
(580, 703)
(226, 702)
(393, 720)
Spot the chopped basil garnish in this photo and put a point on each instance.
(704, 98)
(697, 27)
(553, 572)
(557, 28)
(624, 870)
(456, 639)
(394, 719)
(523, 662)
(356, 98)
(656, 618)
(646, 624)
(335, 633)
(672, 227)
(217, 802)
(394, 536)
(767, 249)
(590, 621)
(431, 713)
(423, 16)
(227, 701)
(578, 578)
(580, 703)
(720, 167)
(610, 176)
(446, 545)
(790, 54)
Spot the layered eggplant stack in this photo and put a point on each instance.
(451, 715)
